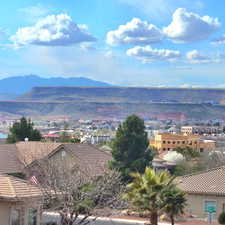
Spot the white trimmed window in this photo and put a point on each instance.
(15, 217)
(209, 204)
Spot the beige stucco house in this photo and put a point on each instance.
(20, 202)
(205, 190)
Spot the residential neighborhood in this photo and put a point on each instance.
(26, 167)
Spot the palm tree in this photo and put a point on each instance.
(174, 202)
(144, 193)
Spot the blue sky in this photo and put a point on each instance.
(124, 42)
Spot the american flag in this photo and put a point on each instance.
(34, 180)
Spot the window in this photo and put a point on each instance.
(174, 142)
(201, 149)
(15, 217)
(168, 149)
(164, 149)
(32, 217)
(164, 142)
(223, 207)
(63, 153)
(178, 142)
(168, 142)
(183, 142)
(209, 204)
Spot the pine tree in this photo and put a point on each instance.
(130, 148)
(23, 129)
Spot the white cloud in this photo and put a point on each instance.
(162, 9)
(196, 57)
(109, 54)
(147, 54)
(134, 32)
(219, 41)
(34, 12)
(53, 30)
(87, 46)
(190, 27)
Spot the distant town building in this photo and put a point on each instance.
(209, 130)
(97, 139)
(168, 142)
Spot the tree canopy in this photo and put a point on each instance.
(188, 152)
(130, 148)
(149, 192)
(23, 129)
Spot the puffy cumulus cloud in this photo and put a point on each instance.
(134, 32)
(190, 27)
(219, 41)
(196, 57)
(53, 30)
(147, 54)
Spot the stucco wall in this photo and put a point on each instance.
(4, 213)
(5, 210)
(196, 204)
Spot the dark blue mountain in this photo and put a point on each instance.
(13, 86)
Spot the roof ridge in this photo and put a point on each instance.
(11, 186)
(202, 172)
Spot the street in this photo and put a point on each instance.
(54, 217)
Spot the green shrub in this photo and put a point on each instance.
(221, 218)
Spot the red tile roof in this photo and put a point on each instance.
(12, 188)
(211, 182)
(9, 161)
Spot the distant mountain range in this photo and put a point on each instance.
(86, 98)
(118, 102)
(13, 86)
(125, 95)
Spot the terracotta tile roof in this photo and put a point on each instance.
(178, 136)
(89, 157)
(9, 162)
(12, 188)
(32, 150)
(211, 182)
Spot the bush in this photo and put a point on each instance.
(221, 218)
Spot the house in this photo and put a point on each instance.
(15, 159)
(20, 202)
(205, 190)
(86, 157)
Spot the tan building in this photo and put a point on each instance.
(204, 190)
(168, 142)
(20, 202)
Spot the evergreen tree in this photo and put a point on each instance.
(130, 148)
(23, 129)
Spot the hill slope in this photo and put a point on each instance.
(12, 86)
(111, 102)
(125, 95)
